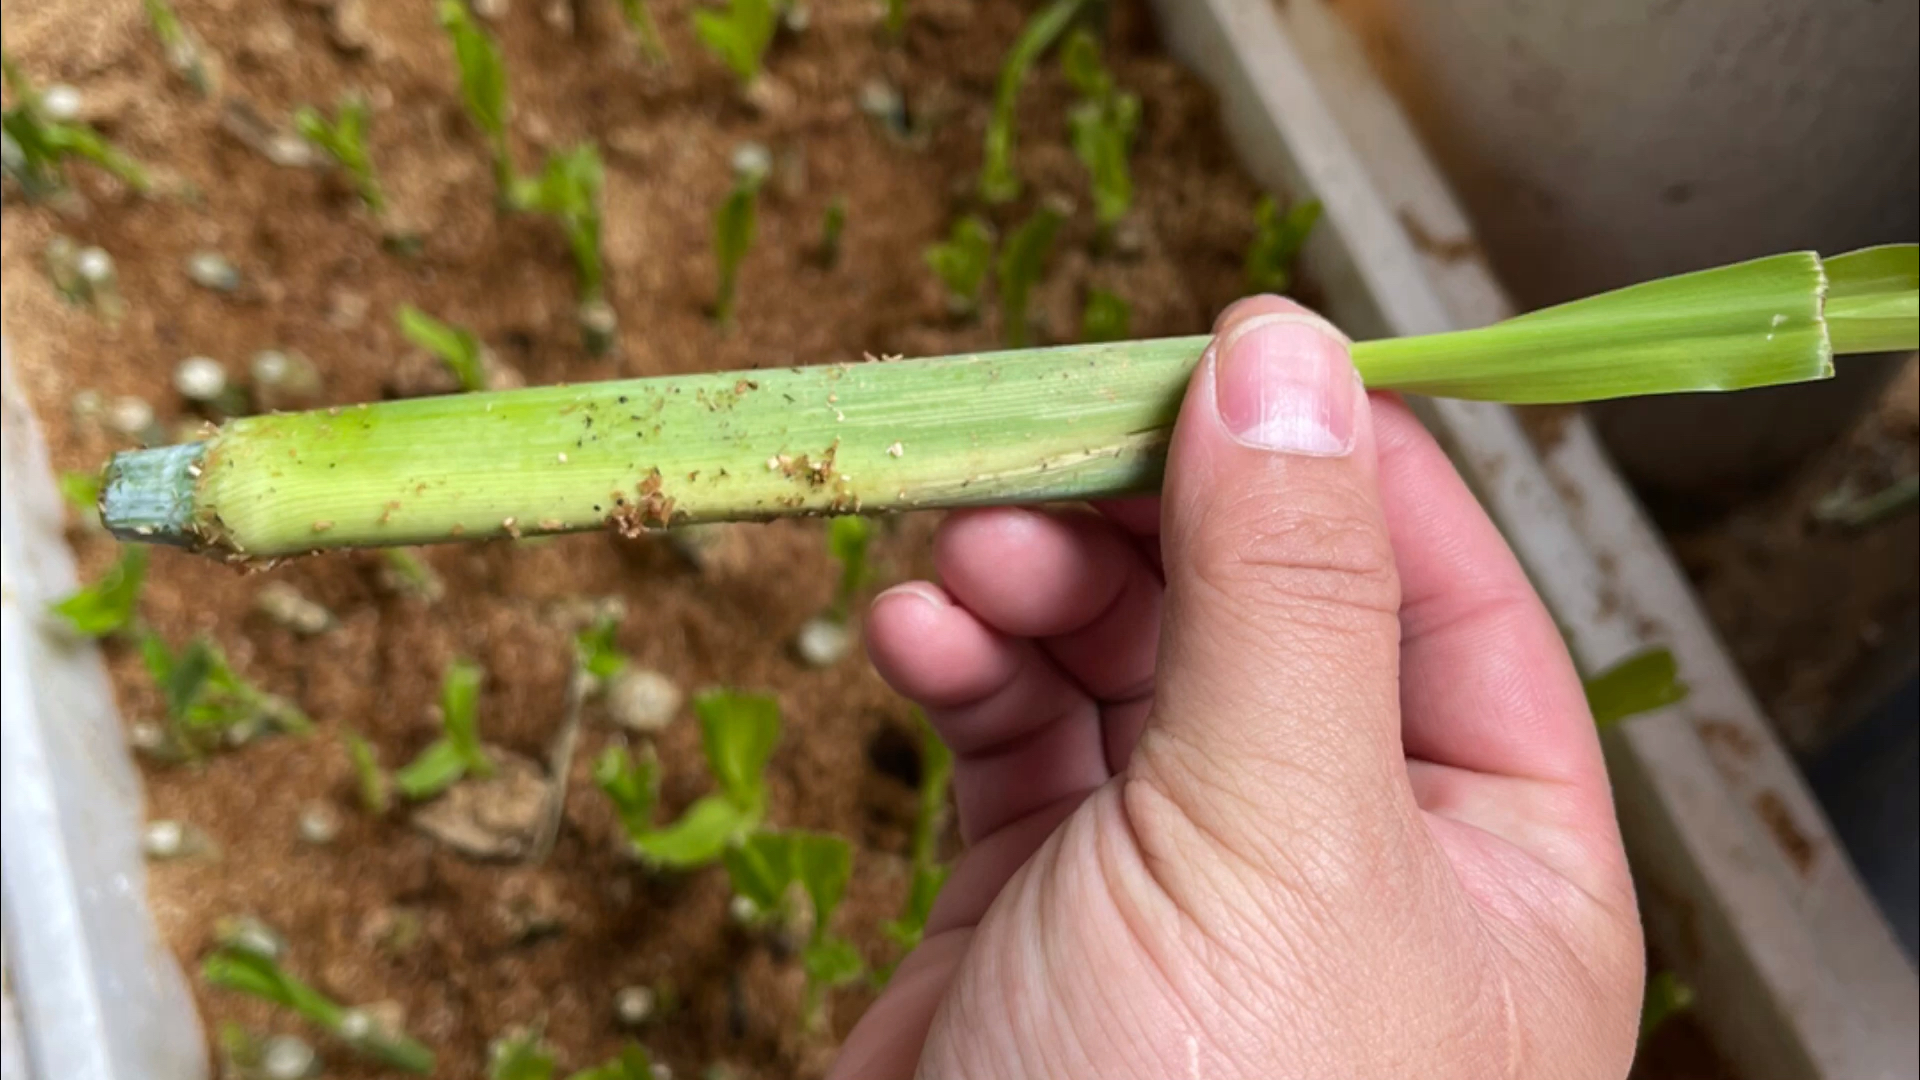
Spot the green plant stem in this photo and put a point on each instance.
(1070, 423)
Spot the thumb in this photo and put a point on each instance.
(1277, 696)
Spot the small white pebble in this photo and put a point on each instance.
(355, 1025)
(61, 102)
(250, 935)
(130, 415)
(200, 378)
(662, 1071)
(319, 824)
(643, 701)
(896, 450)
(94, 266)
(164, 839)
(211, 270)
(287, 1057)
(797, 18)
(742, 909)
(633, 1005)
(752, 159)
(147, 737)
(881, 100)
(822, 642)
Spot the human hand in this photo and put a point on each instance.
(1321, 800)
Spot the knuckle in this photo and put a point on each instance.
(1321, 549)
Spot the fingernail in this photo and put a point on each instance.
(919, 590)
(1286, 383)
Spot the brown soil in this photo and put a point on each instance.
(319, 282)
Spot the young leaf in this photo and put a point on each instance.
(907, 930)
(38, 146)
(375, 793)
(1873, 299)
(457, 347)
(739, 35)
(523, 1055)
(738, 733)
(483, 84)
(936, 776)
(345, 140)
(1102, 128)
(847, 540)
(568, 190)
(999, 182)
(598, 649)
(896, 17)
(1639, 684)
(634, 1063)
(260, 976)
(833, 224)
(1667, 996)
(182, 47)
(831, 962)
(81, 490)
(411, 573)
(632, 785)
(761, 867)
(1022, 265)
(733, 227)
(823, 864)
(1277, 240)
(645, 30)
(457, 753)
(1107, 317)
(207, 702)
(962, 262)
(700, 837)
(108, 605)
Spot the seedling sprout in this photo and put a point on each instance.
(1102, 127)
(344, 139)
(184, 52)
(733, 228)
(833, 225)
(962, 263)
(483, 86)
(640, 20)
(568, 190)
(1107, 317)
(456, 347)
(738, 733)
(1277, 240)
(738, 34)
(38, 146)
(1667, 996)
(208, 704)
(896, 17)
(370, 781)
(1022, 265)
(259, 975)
(109, 605)
(847, 541)
(457, 753)
(930, 821)
(521, 1055)
(999, 182)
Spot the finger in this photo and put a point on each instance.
(1485, 678)
(1023, 734)
(1071, 579)
(1276, 696)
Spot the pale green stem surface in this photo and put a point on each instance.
(1069, 423)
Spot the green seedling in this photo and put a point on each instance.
(833, 227)
(766, 866)
(1864, 512)
(597, 649)
(455, 346)
(1102, 128)
(847, 541)
(1064, 424)
(929, 874)
(1667, 996)
(568, 190)
(634, 1063)
(109, 605)
(1023, 264)
(523, 1055)
(999, 182)
(1107, 317)
(409, 572)
(370, 781)
(344, 139)
(733, 228)
(962, 262)
(457, 753)
(208, 704)
(632, 784)
(38, 147)
(81, 490)
(738, 733)
(1642, 683)
(739, 34)
(896, 17)
(640, 20)
(185, 54)
(258, 975)
(1277, 239)
(483, 87)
